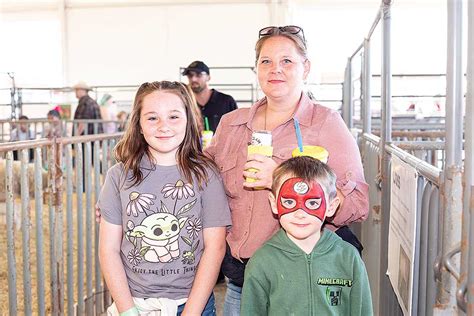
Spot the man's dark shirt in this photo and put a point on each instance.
(218, 105)
(88, 109)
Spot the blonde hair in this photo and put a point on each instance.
(295, 38)
(309, 169)
(190, 159)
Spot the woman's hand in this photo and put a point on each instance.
(264, 171)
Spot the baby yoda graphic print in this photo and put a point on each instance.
(156, 238)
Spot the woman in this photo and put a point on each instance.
(282, 68)
(108, 111)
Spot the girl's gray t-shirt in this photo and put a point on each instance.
(162, 219)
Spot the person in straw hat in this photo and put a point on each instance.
(87, 109)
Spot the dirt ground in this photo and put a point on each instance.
(33, 257)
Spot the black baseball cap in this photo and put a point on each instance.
(196, 66)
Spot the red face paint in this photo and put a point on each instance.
(295, 194)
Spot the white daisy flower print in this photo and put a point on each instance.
(194, 228)
(178, 190)
(139, 203)
(134, 257)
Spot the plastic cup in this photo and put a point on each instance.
(206, 138)
(265, 150)
(316, 152)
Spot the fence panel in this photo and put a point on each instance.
(53, 251)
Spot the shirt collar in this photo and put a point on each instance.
(146, 163)
(303, 112)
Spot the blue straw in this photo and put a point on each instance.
(298, 134)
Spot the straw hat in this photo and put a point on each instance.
(82, 86)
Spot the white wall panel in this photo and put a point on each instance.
(31, 48)
(122, 45)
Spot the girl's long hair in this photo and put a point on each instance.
(189, 157)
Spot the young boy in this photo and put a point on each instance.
(305, 269)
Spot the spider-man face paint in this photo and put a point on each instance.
(295, 194)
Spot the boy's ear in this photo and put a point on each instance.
(332, 208)
(273, 203)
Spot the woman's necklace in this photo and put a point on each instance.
(265, 118)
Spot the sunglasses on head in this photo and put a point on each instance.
(291, 29)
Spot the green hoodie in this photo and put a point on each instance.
(281, 279)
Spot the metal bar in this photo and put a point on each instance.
(423, 266)
(469, 135)
(88, 138)
(80, 228)
(70, 236)
(88, 226)
(347, 95)
(25, 230)
(366, 94)
(112, 144)
(468, 186)
(356, 51)
(52, 241)
(451, 236)
(421, 182)
(374, 24)
(39, 232)
(58, 225)
(25, 144)
(417, 145)
(426, 134)
(422, 167)
(448, 264)
(105, 167)
(388, 299)
(433, 234)
(97, 184)
(12, 290)
(454, 85)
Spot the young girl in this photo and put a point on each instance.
(164, 211)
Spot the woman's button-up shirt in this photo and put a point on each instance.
(253, 222)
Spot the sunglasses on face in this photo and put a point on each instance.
(291, 29)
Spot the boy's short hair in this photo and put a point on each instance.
(308, 169)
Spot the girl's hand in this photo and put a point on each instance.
(264, 171)
(97, 214)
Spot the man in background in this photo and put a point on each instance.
(213, 104)
(87, 109)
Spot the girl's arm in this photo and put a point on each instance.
(110, 239)
(208, 270)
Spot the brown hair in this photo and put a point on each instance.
(308, 169)
(190, 159)
(298, 40)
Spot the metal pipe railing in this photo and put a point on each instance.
(366, 93)
(24, 180)
(452, 195)
(467, 294)
(446, 224)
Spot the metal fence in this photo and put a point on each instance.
(372, 231)
(44, 128)
(50, 234)
(443, 275)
